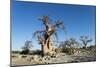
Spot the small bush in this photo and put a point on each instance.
(23, 56)
(26, 51)
(68, 51)
(58, 50)
(15, 52)
(38, 52)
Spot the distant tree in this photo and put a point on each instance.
(16, 52)
(26, 48)
(71, 42)
(69, 45)
(85, 40)
(27, 45)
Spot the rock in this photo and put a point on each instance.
(40, 59)
(14, 56)
(30, 58)
(53, 55)
(46, 58)
(36, 57)
(23, 56)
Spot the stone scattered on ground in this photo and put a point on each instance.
(84, 56)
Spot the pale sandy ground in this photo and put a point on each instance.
(62, 58)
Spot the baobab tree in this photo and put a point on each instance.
(44, 36)
(85, 40)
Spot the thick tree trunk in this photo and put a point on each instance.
(44, 49)
(47, 48)
(50, 47)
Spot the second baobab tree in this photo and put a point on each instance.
(44, 36)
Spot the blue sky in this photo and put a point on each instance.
(78, 20)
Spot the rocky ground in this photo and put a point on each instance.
(59, 58)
